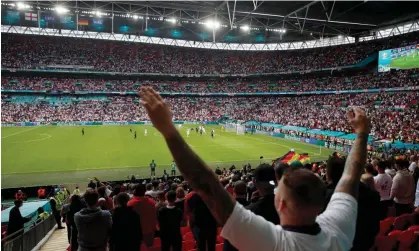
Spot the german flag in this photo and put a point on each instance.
(292, 156)
(83, 22)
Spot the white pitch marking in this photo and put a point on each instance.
(30, 129)
(33, 140)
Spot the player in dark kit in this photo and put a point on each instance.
(130, 130)
(82, 131)
(212, 133)
(196, 130)
(135, 135)
(153, 168)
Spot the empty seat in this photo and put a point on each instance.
(403, 221)
(386, 243)
(188, 237)
(385, 225)
(406, 240)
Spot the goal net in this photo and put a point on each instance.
(235, 128)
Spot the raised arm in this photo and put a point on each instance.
(199, 176)
(349, 182)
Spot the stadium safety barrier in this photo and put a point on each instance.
(238, 94)
(95, 123)
(22, 241)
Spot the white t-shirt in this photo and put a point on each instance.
(247, 231)
(413, 166)
(152, 193)
(383, 183)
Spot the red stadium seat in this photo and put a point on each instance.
(406, 240)
(188, 245)
(395, 233)
(188, 237)
(403, 221)
(220, 239)
(157, 242)
(414, 228)
(184, 230)
(219, 247)
(385, 243)
(385, 225)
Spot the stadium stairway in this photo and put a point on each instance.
(58, 241)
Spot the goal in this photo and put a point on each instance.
(235, 128)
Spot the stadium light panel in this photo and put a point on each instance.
(171, 20)
(245, 27)
(61, 10)
(135, 17)
(340, 36)
(212, 24)
(22, 6)
(98, 13)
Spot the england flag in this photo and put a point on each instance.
(31, 16)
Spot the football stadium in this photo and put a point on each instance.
(156, 125)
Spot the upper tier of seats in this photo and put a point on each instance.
(29, 51)
(408, 78)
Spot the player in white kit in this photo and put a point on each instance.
(187, 132)
(145, 132)
(203, 130)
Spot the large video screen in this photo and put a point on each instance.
(400, 58)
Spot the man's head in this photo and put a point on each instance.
(240, 189)
(173, 186)
(402, 164)
(149, 186)
(180, 193)
(334, 169)
(280, 169)
(40, 210)
(139, 190)
(264, 179)
(152, 161)
(369, 168)
(91, 197)
(171, 197)
(18, 203)
(121, 200)
(155, 184)
(381, 166)
(161, 196)
(374, 163)
(300, 197)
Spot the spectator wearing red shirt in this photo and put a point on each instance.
(146, 208)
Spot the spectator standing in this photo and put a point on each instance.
(403, 188)
(105, 202)
(367, 221)
(125, 218)
(16, 221)
(170, 218)
(64, 211)
(265, 205)
(92, 184)
(240, 193)
(161, 201)
(56, 212)
(76, 205)
(154, 191)
(93, 224)
(202, 223)
(146, 209)
(383, 183)
(299, 201)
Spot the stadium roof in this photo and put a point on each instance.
(255, 22)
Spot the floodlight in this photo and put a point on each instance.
(135, 17)
(22, 6)
(171, 20)
(98, 13)
(212, 24)
(282, 31)
(245, 27)
(61, 10)
(340, 36)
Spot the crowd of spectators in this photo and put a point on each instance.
(394, 115)
(167, 208)
(29, 51)
(408, 78)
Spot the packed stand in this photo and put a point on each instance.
(40, 52)
(394, 115)
(407, 78)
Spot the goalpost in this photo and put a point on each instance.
(235, 128)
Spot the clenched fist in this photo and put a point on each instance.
(358, 120)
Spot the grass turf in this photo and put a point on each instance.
(61, 155)
(405, 62)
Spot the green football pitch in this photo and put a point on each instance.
(48, 155)
(406, 62)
